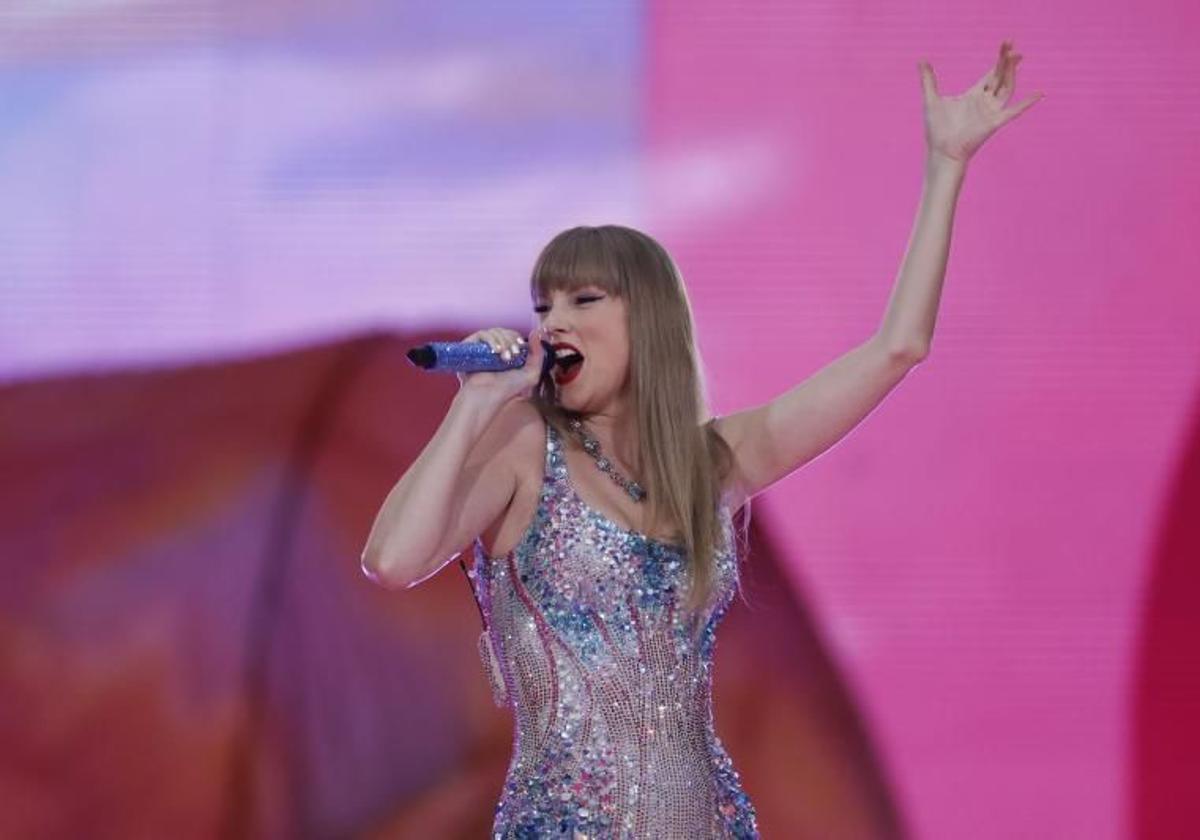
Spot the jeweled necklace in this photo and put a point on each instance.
(592, 447)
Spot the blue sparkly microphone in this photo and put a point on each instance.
(473, 356)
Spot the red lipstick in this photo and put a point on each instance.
(565, 375)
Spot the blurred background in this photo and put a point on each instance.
(222, 224)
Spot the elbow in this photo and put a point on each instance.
(910, 354)
(379, 571)
(901, 350)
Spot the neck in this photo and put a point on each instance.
(617, 433)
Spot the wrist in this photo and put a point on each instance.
(474, 399)
(937, 163)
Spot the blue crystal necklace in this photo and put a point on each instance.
(592, 447)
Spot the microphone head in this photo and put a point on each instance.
(422, 356)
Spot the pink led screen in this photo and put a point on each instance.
(222, 224)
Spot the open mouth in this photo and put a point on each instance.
(568, 363)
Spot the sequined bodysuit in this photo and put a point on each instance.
(609, 686)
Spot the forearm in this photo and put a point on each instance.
(416, 512)
(912, 308)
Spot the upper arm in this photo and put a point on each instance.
(772, 440)
(488, 480)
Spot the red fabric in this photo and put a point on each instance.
(188, 647)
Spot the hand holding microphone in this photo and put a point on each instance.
(498, 361)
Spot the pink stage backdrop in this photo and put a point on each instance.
(980, 546)
(994, 578)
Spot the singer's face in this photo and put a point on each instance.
(596, 323)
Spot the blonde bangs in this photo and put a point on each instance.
(574, 260)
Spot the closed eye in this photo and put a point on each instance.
(580, 300)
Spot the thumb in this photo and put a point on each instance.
(537, 353)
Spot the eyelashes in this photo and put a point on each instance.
(582, 299)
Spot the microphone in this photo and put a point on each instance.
(473, 356)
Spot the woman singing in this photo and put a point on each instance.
(599, 503)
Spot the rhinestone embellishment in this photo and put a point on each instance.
(592, 447)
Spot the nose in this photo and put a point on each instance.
(553, 325)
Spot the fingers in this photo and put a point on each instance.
(1008, 85)
(928, 80)
(1024, 106)
(1008, 79)
(504, 342)
(1002, 78)
(1012, 67)
(1007, 60)
(508, 343)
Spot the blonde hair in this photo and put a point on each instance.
(682, 462)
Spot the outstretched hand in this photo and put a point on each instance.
(956, 126)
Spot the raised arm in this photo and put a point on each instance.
(772, 440)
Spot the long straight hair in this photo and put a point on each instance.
(682, 461)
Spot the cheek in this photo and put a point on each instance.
(617, 357)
